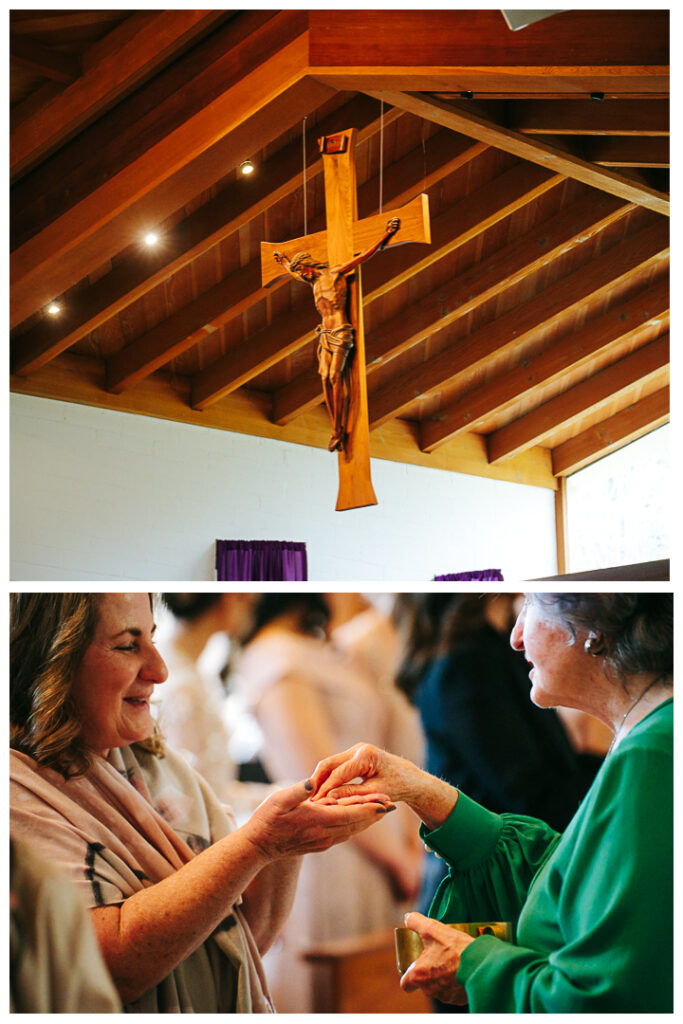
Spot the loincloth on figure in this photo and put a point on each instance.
(336, 342)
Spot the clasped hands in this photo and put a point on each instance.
(362, 772)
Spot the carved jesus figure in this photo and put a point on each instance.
(335, 334)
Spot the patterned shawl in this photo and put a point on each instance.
(131, 821)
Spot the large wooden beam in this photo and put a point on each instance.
(648, 246)
(619, 151)
(613, 433)
(527, 148)
(240, 83)
(465, 220)
(579, 51)
(648, 362)
(588, 117)
(210, 224)
(625, 321)
(80, 379)
(112, 66)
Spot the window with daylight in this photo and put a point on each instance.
(618, 508)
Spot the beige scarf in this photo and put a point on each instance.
(131, 821)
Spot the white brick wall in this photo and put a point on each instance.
(110, 496)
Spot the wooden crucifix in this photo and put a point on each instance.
(329, 261)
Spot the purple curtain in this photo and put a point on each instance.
(261, 560)
(482, 574)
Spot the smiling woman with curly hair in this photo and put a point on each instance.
(183, 904)
(49, 634)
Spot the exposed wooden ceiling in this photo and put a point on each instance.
(528, 340)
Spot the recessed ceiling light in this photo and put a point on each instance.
(54, 308)
(247, 167)
(151, 238)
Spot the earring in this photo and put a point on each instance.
(594, 644)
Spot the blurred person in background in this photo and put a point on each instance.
(308, 699)
(194, 713)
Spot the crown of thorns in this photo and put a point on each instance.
(305, 259)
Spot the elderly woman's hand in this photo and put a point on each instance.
(377, 769)
(287, 823)
(436, 968)
(333, 779)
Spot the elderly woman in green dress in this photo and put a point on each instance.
(183, 904)
(592, 908)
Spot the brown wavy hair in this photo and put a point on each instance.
(49, 635)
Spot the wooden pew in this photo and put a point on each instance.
(359, 975)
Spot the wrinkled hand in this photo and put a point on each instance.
(379, 771)
(435, 969)
(288, 824)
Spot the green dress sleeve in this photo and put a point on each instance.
(492, 860)
(596, 931)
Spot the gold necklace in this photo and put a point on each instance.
(618, 731)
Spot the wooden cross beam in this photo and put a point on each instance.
(345, 241)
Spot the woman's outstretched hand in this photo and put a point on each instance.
(288, 823)
(436, 968)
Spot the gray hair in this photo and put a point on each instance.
(636, 630)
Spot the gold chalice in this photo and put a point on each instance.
(409, 944)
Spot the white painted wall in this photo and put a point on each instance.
(101, 495)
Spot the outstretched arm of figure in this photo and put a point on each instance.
(392, 227)
(284, 261)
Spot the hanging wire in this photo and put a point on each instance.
(381, 149)
(303, 148)
(424, 159)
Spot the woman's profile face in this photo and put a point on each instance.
(561, 673)
(116, 678)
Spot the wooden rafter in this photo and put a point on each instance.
(624, 321)
(504, 268)
(575, 52)
(621, 151)
(649, 361)
(258, 70)
(650, 245)
(31, 56)
(133, 50)
(167, 104)
(587, 117)
(527, 148)
(195, 235)
(616, 431)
